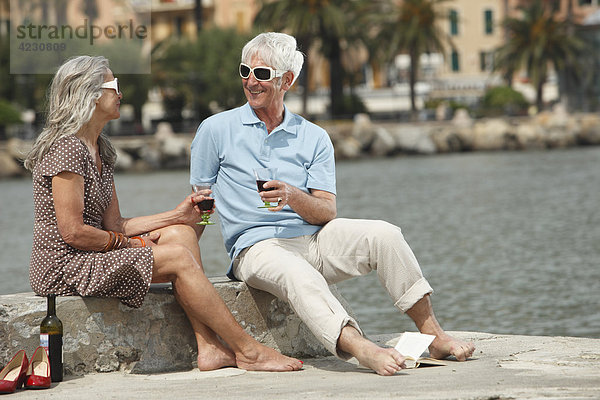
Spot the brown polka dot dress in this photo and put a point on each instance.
(55, 266)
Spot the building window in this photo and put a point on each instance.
(453, 22)
(4, 27)
(455, 61)
(585, 2)
(489, 22)
(486, 61)
(179, 26)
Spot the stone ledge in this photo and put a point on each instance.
(102, 335)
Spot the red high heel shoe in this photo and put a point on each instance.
(38, 372)
(14, 374)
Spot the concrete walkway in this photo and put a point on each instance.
(504, 367)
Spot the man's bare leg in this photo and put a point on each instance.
(384, 361)
(443, 345)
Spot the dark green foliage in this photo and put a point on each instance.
(326, 25)
(203, 71)
(8, 114)
(503, 100)
(536, 42)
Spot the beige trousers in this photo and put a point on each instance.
(299, 270)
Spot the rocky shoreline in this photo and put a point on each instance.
(361, 137)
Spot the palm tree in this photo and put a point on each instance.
(413, 27)
(537, 41)
(198, 73)
(322, 23)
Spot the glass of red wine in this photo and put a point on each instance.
(263, 175)
(205, 205)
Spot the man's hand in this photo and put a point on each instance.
(316, 208)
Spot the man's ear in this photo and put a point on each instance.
(287, 80)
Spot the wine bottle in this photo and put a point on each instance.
(51, 338)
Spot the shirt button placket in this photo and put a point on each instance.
(265, 150)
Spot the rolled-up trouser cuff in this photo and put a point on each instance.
(330, 340)
(415, 293)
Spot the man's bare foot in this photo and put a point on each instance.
(444, 346)
(213, 357)
(263, 358)
(383, 361)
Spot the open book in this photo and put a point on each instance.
(412, 345)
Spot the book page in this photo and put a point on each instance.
(413, 344)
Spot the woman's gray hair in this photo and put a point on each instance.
(72, 100)
(276, 49)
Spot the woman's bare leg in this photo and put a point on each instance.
(212, 352)
(209, 315)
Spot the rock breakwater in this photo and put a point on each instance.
(361, 137)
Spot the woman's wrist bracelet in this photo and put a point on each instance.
(142, 241)
(111, 241)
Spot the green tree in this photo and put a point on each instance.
(412, 27)
(502, 100)
(203, 71)
(535, 41)
(325, 24)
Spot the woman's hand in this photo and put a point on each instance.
(188, 209)
(146, 240)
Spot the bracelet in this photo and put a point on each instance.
(120, 242)
(142, 241)
(111, 241)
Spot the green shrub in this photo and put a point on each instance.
(503, 100)
(8, 114)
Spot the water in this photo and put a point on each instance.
(509, 241)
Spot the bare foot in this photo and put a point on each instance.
(384, 361)
(213, 357)
(444, 346)
(263, 358)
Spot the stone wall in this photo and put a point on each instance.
(547, 130)
(102, 335)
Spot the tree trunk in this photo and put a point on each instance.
(305, 44)
(336, 78)
(539, 100)
(414, 69)
(198, 16)
(305, 83)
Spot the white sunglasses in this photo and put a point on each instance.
(114, 84)
(263, 74)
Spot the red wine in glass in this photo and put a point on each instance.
(261, 186)
(263, 175)
(206, 205)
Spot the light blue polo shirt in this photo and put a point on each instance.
(227, 147)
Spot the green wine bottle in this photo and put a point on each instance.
(51, 338)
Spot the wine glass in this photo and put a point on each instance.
(263, 175)
(205, 205)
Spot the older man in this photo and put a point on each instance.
(296, 248)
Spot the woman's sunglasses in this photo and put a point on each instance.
(114, 84)
(263, 74)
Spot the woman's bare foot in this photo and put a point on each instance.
(213, 357)
(444, 346)
(263, 358)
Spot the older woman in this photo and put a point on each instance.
(83, 246)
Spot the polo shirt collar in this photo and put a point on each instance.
(249, 118)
